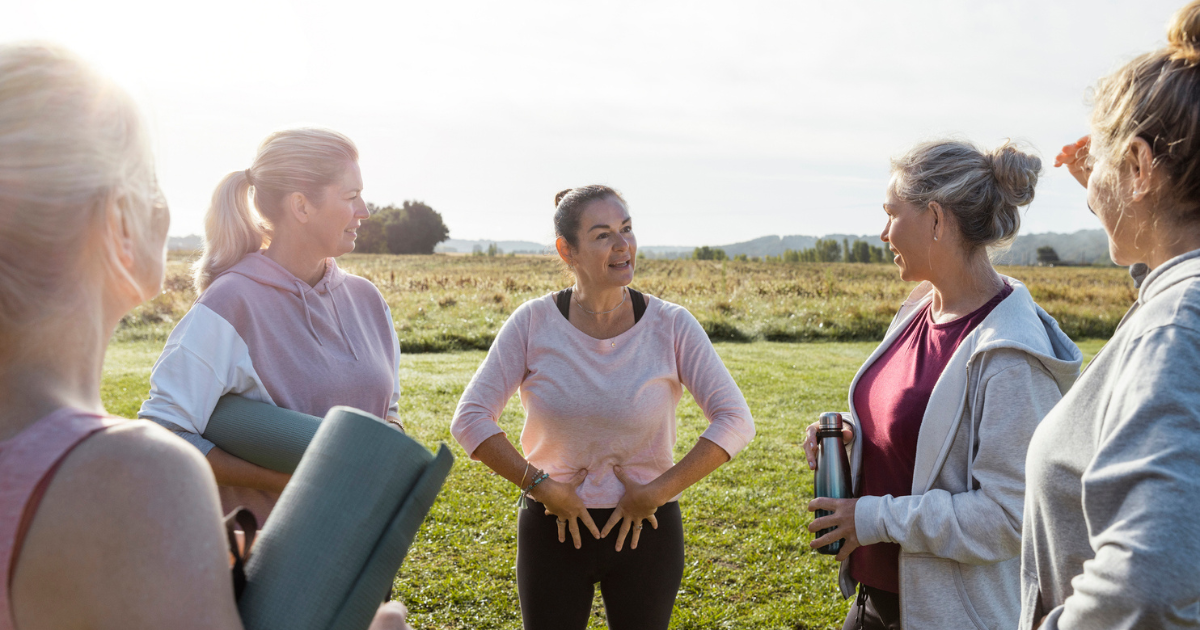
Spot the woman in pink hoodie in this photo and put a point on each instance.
(277, 321)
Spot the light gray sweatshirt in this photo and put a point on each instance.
(960, 530)
(1112, 516)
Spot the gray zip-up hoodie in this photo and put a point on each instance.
(1112, 518)
(960, 530)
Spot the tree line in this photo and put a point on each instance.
(411, 228)
(824, 250)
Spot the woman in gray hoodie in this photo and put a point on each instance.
(942, 412)
(1112, 519)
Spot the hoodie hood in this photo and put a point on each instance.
(1178, 269)
(265, 271)
(262, 270)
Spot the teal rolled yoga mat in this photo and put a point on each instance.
(337, 537)
(261, 433)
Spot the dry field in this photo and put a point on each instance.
(447, 302)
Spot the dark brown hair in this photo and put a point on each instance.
(1156, 97)
(569, 205)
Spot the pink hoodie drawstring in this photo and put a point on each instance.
(338, 316)
(308, 315)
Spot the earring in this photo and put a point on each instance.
(935, 238)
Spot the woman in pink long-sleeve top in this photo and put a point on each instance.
(600, 369)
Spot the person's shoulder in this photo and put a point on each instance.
(668, 312)
(361, 287)
(141, 451)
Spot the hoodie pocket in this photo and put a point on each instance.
(933, 594)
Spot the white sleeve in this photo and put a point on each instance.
(394, 404)
(204, 359)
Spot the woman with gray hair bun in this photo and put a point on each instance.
(943, 410)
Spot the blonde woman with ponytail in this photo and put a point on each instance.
(276, 320)
(1112, 518)
(104, 523)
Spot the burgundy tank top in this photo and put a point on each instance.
(28, 462)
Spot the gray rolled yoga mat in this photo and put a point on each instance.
(333, 544)
(261, 433)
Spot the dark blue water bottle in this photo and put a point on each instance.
(832, 477)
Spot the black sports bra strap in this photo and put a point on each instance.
(564, 302)
(639, 304)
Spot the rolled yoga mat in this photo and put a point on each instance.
(261, 433)
(331, 549)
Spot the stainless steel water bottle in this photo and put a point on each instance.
(832, 477)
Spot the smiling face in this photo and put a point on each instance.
(607, 249)
(335, 220)
(909, 235)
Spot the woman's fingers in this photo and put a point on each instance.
(577, 480)
(653, 521)
(562, 529)
(625, 525)
(637, 533)
(612, 521)
(573, 524)
(810, 446)
(586, 517)
(828, 538)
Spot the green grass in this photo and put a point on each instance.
(748, 564)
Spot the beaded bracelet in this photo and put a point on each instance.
(538, 477)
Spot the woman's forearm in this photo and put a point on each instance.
(704, 458)
(501, 456)
(234, 471)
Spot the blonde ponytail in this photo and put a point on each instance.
(232, 229)
(295, 160)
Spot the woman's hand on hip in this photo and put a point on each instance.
(842, 520)
(639, 504)
(562, 501)
(810, 442)
(1074, 157)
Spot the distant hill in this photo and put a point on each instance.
(508, 247)
(1083, 247)
(190, 242)
(1089, 247)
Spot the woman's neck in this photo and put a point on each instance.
(962, 288)
(1169, 242)
(298, 260)
(600, 302)
(60, 364)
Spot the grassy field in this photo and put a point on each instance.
(443, 302)
(748, 563)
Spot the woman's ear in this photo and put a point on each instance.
(299, 207)
(564, 251)
(122, 243)
(1140, 161)
(939, 219)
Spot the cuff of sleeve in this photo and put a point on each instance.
(473, 437)
(868, 521)
(730, 440)
(203, 445)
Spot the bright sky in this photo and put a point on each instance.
(719, 121)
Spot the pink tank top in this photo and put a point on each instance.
(27, 464)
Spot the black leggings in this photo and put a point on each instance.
(556, 581)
